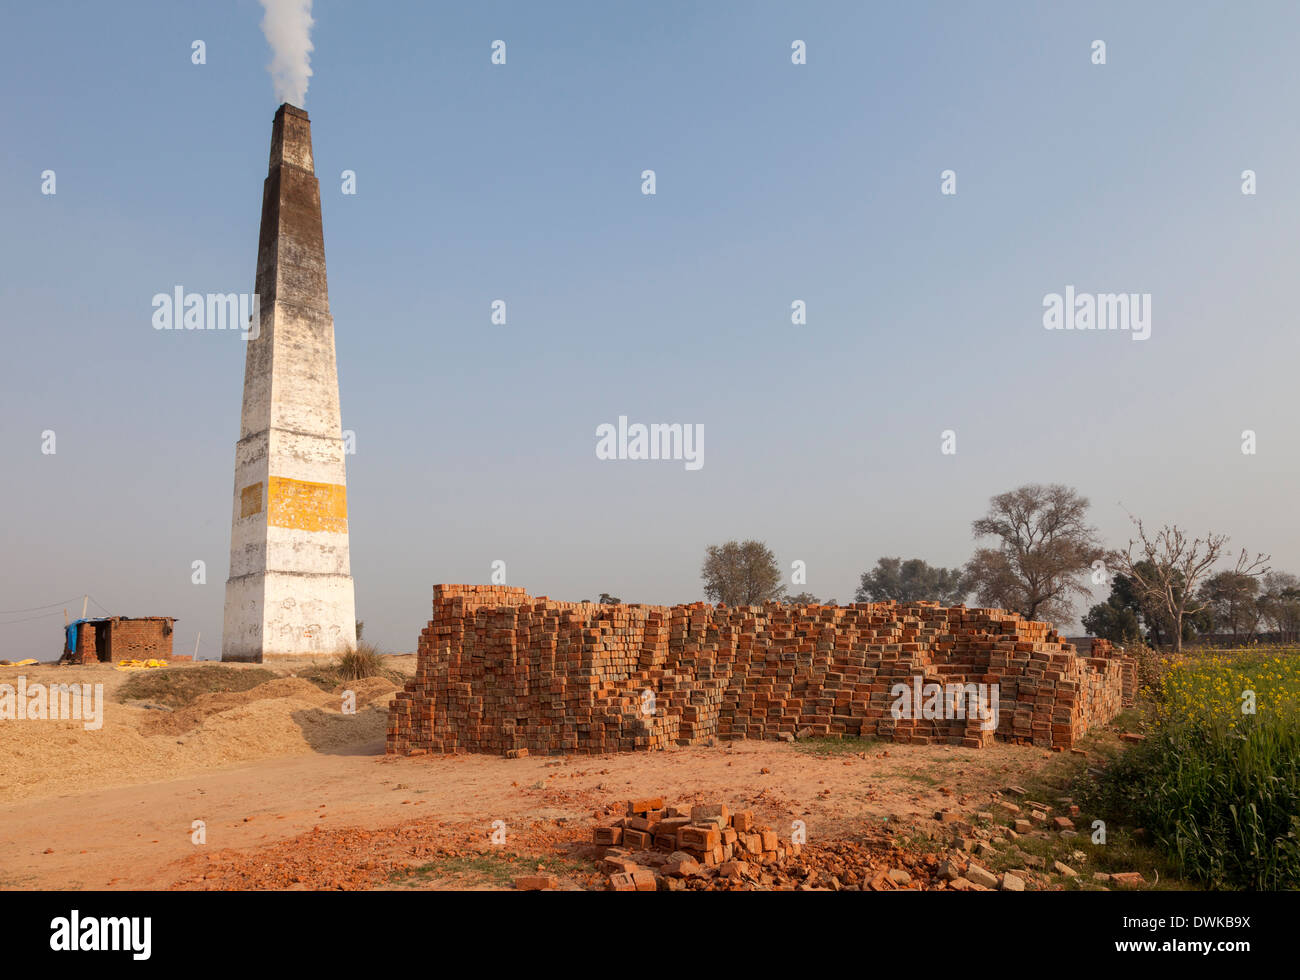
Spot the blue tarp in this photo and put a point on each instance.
(72, 633)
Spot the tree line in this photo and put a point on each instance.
(1038, 557)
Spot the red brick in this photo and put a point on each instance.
(533, 883)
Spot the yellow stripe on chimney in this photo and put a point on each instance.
(307, 506)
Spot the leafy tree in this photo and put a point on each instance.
(741, 573)
(1125, 606)
(1044, 547)
(1231, 600)
(1112, 622)
(1115, 619)
(609, 600)
(1279, 604)
(803, 599)
(1127, 615)
(911, 581)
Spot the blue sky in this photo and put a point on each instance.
(775, 182)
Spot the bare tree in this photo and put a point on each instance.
(1045, 547)
(741, 574)
(1166, 566)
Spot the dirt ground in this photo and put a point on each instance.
(293, 793)
(145, 741)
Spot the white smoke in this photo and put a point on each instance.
(287, 26)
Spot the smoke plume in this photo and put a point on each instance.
(287, 26)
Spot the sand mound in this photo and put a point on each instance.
(205, 706)
(371, 689)
(286, 716)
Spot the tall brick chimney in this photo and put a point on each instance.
(290, 586)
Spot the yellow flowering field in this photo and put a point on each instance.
(1217, 782)
(1215, 687)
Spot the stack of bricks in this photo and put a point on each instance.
(87, 652)
(1103, 651)
(501, 672)
(694, 838)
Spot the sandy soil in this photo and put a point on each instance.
(294, 793)
(141, 743)
(139, 836)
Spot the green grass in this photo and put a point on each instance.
(1224, 807)
(924, 778)
(488, 869)
(1073, 778)
(180, 687)
(495, 869)
(832, 746)
(1218, 789)
(1122, 852)
(925, 844)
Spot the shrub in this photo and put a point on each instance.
(1151, 669)
(365, 661)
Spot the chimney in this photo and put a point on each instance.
(291, 139)
(290, 587)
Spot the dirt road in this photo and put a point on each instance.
(139, 836)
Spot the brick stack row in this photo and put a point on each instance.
(499, 671)
(1104, 651)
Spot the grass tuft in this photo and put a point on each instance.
(365, 661)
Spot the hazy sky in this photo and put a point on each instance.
(775, 182)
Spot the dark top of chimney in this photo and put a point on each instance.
(291, 139)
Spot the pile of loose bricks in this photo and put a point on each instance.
(501, 672)
(709, 847)
(694, 838)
